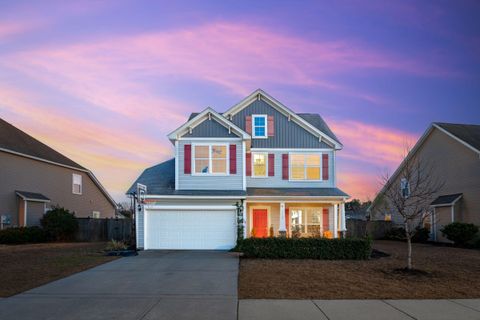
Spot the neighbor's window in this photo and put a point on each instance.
(96, 214)
(405, 188)
(305, 166)
(259, 123)
(210, 159)
(76, 184)
(259, 164)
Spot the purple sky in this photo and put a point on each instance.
(104, 82)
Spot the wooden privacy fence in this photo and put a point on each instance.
(361, 228)
(103, 229)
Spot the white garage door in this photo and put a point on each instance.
(190, 229)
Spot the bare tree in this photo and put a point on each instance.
(410, 193)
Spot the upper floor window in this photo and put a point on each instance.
(405, 188)
(259, 164)
(76, 184)
(259, 126)
(210, 159)
(305, 166)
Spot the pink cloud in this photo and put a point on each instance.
(11, 28)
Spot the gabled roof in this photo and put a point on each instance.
(260, 94)
(446, 200)
(202, 116)
(317, 121)
(32, 196)
(15, 141)
(466, 134)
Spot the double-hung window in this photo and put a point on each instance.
(210, 159)
(259, 164)
(259, 126)
(305, 166)
(76, 183)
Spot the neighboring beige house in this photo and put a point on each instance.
(34, 177)
(454, 152)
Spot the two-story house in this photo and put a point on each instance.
(259, 158)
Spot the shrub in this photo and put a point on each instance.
(22, 235)
(460, 233)
(421, 235)
(115, 245)
(395, 234)
(475, 242)
(59, 224)
(305, 248)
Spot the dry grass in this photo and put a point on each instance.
(451, 273)
(28, 266)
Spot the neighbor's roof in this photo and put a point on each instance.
(313, 118)
(32, 196)
(447, 199)
(14, 139)
(468, 133)
(296, 192)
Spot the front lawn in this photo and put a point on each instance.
(451, 273)
(28, 266)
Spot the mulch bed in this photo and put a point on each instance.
(440, 272)
(28, 266)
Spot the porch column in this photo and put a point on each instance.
(244, 213)
(335, 220)
(282, 230)
(344, 223)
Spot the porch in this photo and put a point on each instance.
(295, 218)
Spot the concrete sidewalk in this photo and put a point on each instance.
(359, 309)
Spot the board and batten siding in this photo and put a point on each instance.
(209, 182)
(288, 134)
(277, 180)
(210, 128)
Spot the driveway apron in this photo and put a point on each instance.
(152, 285)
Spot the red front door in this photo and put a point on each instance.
(260, 223)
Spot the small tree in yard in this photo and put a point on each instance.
(59, 224)
(411, 195)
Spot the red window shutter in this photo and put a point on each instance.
(248, 124)
(271, 126)
(325, 219)
(248, 164)
(233, 159)
(187, 159)
(271, 164)
(285, 166)
(325, 166)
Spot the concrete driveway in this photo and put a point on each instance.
(153, 285)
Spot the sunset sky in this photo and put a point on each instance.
(104, 82)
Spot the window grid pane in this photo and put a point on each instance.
(259, 165)
(305, 166)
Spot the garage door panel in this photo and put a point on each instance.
(190, 229)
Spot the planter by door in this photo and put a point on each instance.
(260, 223)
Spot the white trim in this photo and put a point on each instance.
(202, 116)
(282, 225)
(192, 197)
(335, 220)
(260, 94)
(343, 221)
(456, 138)
(292, 201)
(265, 117)
(334, 171)
(244, 217)
(453, 213)
(30, 199)
(304, 167)
(266, 166)
(292, 149)
(24, 213)
(209, 139)
(244, 166)
(187, 207)
(90, 174)
(177, 159)
(210, 160)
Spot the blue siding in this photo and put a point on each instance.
(288, 134)
(210, 128)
